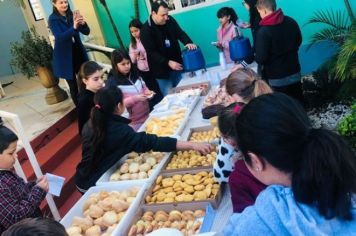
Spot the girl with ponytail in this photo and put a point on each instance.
(311, 172)
(242, 85)
(229, 166)
(107, 137)
(90, 80)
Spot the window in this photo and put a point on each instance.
(36, 9)
(176, 6)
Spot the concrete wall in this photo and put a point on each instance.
(12, 22)
(40, 26)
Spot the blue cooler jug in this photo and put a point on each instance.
(193, 60)
(240, 48)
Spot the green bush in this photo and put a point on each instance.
(32, 52)
(347, 127)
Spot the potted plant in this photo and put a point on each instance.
(33, 57)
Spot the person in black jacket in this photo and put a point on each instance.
(90, 80)
(277, 43)
(160, 35)
(107, 137)
(255, 18)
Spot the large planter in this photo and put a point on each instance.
(55, 94)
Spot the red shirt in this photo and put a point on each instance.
(244, 187)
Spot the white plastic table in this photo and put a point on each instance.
(212, 75)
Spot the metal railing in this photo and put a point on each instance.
(14, 120)
(102, 49)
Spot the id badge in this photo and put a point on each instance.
(167, 43)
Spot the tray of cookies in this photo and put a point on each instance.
(184, 187)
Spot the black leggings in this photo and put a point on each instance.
(293, 90)
(73, 89)
(78, 58)
(152, 84)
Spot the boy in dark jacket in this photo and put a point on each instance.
(277, 44)
(160, 36)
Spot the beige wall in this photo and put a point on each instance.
(87, 10)
(40, 26)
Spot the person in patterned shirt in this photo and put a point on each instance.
(18, 200)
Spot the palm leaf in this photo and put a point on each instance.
(337, 26)
(346, 61)
(335, 19)
(332, 34)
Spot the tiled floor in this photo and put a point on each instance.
(25, 97)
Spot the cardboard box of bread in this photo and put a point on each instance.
(189, 220)
(104, 210)
(184, 187)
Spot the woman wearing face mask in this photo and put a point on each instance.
(69, 53)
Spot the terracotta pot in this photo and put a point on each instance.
(55, 94)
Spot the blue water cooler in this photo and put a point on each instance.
(240, 49)
(193, 60)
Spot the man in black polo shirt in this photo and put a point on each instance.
(160, 36)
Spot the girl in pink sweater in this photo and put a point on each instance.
(138, 56)
(227, 31)
(136, 94)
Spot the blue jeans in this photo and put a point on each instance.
(286, 81)
(167, 84)
(290, 85)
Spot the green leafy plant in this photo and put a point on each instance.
(337, 26)
(346, 60)
(322, 87)
(32, 52)
(340, 27)
(347, 127)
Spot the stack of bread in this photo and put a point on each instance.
(188, 222)
(184, 188)
(102, 212)
(137, 166)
